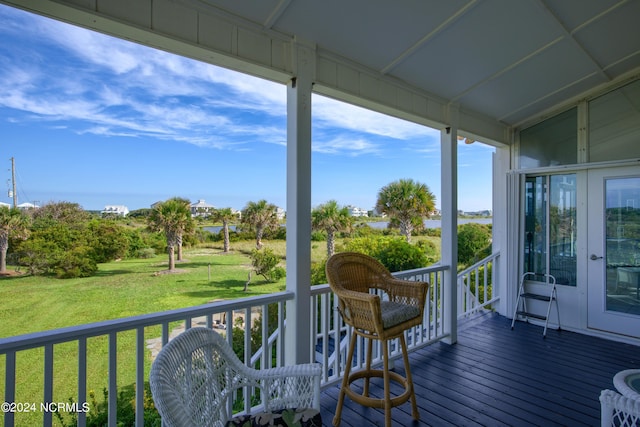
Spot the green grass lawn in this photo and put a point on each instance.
(126, 288)
(120, 289)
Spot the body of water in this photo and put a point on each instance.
(436, 223)
(429, 223)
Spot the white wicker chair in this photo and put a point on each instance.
(618, 410)
(196, 375)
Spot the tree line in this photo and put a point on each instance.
(64, 240)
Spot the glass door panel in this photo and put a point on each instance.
(550, 227)
(622, 228)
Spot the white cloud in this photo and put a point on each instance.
(331, 113)
(346, 146)
(121, 88)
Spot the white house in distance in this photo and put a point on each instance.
(27, 205)
(201, 209)
(118, 210)
(356, 211)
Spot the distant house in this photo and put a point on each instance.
(5, 204)
(486, 213)
(280, 213)
(356, 211)
(27, 205)
(201, 209)
(115, 210)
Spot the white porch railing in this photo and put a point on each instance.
(328, 346)
(475, 286)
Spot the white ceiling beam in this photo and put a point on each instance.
(276, 13)
(506, 69)
(445, 24)
(570, 35)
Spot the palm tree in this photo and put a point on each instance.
(173, 217)
(261, 216)
(332, 219)
(225, 215)
(13, 224)
(406, 202)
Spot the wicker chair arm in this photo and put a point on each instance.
(295, 386)
(360, 310)
(347, 295)
(300, 370)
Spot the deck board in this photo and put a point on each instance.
(495, 376)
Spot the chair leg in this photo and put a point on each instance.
(387, 384)
(345, 380)
(365, 391)
(414, 405)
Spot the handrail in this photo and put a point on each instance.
(71, 333)
(328, 345)
(482, 274)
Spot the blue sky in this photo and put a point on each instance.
(98, 121)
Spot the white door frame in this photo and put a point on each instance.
(598, 317)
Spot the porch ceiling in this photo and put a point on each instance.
(500, 63)
(510, 60)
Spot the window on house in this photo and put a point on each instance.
(551, 142)
(614, 125)
(550, 227)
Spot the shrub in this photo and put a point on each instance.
(365, 245)
(75, 263)
(393, 252)
(107, 239)
(398, 255)
(264, 262)
(431, 251)
(135, 242)
(432, 232)
(318, 236)
(98, 415)
(318, 273)
(43, 254)
(279, 233)
(146, 253)
(278, 273)
(474, 242)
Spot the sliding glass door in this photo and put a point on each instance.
(550, 227)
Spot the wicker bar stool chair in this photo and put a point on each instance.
(353, 277)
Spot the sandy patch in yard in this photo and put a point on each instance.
(176, 271)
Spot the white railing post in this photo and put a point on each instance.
(82, 379)
(140, 358)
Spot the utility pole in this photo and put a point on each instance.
(13, 181)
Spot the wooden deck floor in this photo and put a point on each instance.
(494, 376)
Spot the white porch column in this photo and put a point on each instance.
(502, 224)
(297, 338)
(449, 209)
